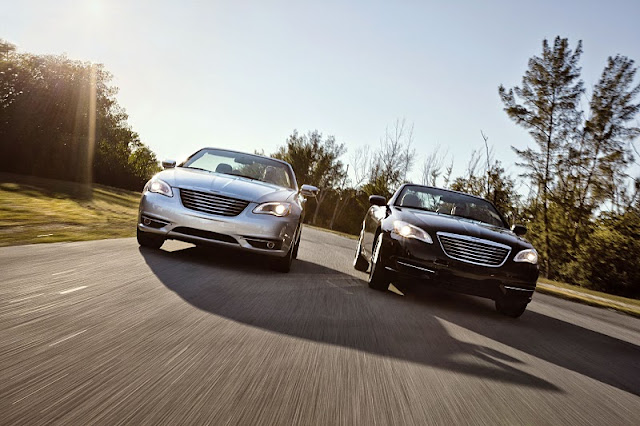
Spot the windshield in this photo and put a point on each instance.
(240, 164)
(449, 203)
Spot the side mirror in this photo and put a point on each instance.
(168, 164)
(377, 200)
(519, 229)
(309, 191)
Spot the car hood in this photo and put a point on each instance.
(228, 185)
(435, 222)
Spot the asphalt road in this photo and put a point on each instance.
(104, 332)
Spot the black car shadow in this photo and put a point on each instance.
(598, 356)
(317, 303)
(320, 304)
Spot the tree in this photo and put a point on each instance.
(549, 109)
(495, 186)
(432, 166)
(393, 160)
(603, 153)
(344, 195)
(315, 160)
(473, 182)
(59, 118)
(608, 259)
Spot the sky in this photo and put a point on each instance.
(245, 74)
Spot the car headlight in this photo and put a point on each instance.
(407, 230)
(276, 209)
(527, 256)
(159, 187)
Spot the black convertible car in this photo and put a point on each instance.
(452, 239)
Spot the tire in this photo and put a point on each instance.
(297, 246)
(378, 277)
(510, 307)
(359, 262)
(149, 240)
(283, 264)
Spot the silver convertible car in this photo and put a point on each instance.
(226, 198)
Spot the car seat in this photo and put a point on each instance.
(411, 200)
(271, 175)
(224, 168)
(460, 210)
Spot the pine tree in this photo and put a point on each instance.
(547, 104)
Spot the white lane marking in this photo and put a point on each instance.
(71, 290)
(25, 298)
(68, 337)
(39, 389)
(63, 272)
(43, 235)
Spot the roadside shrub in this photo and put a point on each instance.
(608, 260)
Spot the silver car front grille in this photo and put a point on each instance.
(474, 250)
(212, 203)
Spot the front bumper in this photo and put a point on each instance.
(415, 260)
(260, 233)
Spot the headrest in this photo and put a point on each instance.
(224, 168)
(411, 200)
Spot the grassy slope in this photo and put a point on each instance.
(34, 210)
(43, 211)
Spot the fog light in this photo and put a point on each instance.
(270, 245)
(146, 221)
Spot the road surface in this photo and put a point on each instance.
(104, 332)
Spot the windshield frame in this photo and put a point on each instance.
(396, 197)
(260, 158)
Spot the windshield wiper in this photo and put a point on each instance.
(239, 175)
(195, 168)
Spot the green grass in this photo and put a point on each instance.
(590, 297)
(43, 211)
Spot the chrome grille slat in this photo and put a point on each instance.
(474, 250)
(215, 206)
(480, 259)
(212, 203)
(469, 243)
(497, 256)
(499, 253)
(465, 249)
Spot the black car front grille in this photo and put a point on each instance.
(473, 250)
(212, 203)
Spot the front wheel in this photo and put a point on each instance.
(147, 239)
(283, 264)
(359, 262)
(378, 276)
(511, 307)
(297, 246)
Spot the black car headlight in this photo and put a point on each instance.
(527, 256)
(159, 187)
(276, 209)
(407, 230)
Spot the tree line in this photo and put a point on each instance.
(59, 119)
